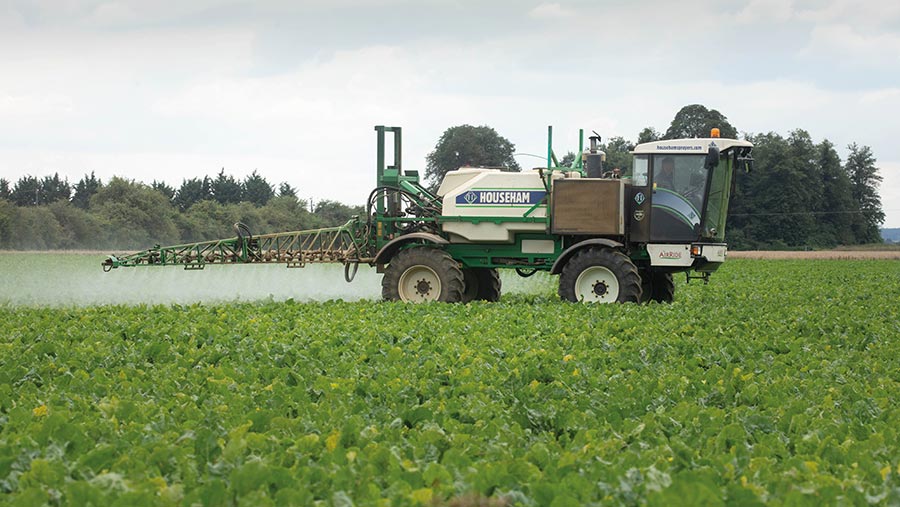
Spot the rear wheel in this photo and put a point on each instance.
(482, 284)
(600, 275)
(419, 275)
(657, 286)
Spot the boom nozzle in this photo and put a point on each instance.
(110, 263)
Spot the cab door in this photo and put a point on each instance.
(677, 197)
(638, 200)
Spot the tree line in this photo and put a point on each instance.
(799, 194)
(49, 213)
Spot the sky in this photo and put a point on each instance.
(168, 90)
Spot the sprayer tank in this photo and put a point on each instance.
(477, 192)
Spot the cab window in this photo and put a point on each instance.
(638, 172)
(683, 175)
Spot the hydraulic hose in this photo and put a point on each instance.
(347, 274)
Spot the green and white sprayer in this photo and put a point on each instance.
(610, 237)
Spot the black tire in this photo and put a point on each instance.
(482, 284)
(422, 274)
(657, 286)
(617, 279)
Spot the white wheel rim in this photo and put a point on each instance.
(419, 284)
(597, 284)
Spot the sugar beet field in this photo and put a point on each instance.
(776, 384)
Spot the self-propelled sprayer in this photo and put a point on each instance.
(611, 236)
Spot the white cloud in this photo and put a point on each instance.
(10, 19)
(841, 41)
(766, 11)
(30, 105)
(884, 97)
(113, 13)
(890, 192)
(861, 14)
(348, 80)
(551, 11)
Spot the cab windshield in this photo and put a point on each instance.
(679, 187)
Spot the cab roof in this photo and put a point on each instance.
(699, 145)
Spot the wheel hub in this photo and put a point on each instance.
(423, 287)
(418, 284)
(597, 284)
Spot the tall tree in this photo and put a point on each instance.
(209, 220)
(257, 190)
(226, 189)
(287, 213)
(164, 189)
(805, 188)
(864, 181)
(649, 134)
(333, 213)
(618, 153)
(193, 191)
(86, 187)
(838, 207)
(137, 215)
(27, 191)
(567, 160)
(465, 145)
(4, 188)
(8, 213)
(80, 228)
(54, 188)
(696, 120)
(767, 218)
(285, 190)
(34, 228)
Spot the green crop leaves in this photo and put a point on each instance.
(778, 384)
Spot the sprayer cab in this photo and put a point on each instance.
(685, 186)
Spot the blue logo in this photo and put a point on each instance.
(639, 198)
(509, 197)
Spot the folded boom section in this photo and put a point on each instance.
(344, 244)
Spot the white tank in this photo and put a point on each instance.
(478, 192)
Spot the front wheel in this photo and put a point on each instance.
(600, 275)
(657, 287)
(422, 274)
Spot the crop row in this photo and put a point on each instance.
(778, 383)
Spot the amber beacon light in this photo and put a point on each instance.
(714, 132)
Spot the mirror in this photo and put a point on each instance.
(744, 160)
(712, 158)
